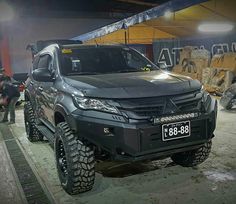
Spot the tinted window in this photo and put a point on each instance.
(102, 60)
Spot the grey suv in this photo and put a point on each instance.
(109, 101)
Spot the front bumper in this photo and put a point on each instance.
(141, 141)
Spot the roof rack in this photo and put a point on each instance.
(41, 44)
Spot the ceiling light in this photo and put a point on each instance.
(168, 14)
(215, 27)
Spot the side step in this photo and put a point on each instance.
(47, 133)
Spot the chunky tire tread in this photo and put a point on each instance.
(194, 157)
(34, 134)
(229, 106)
(80, 162)
(228, 96)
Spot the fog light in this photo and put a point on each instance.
(108, 131)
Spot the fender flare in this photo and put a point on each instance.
(59, 108)
(67, 116)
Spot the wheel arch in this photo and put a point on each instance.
(61, 114)
(58, 118)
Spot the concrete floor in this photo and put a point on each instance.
(10, 191)
(157, 182)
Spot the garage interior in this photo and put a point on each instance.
(167, 32)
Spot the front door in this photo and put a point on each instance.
(46, 93)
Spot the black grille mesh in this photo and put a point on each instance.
(147, 107)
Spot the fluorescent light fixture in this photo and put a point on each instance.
(215, 27)
(168, 14)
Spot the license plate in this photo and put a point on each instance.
(176, 130)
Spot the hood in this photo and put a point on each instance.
(133, 85)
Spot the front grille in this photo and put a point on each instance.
(156, 106)
(148, 111)
(188, 105)
(187, 102)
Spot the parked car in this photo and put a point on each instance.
(96, 100)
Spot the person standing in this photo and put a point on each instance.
(10, 95)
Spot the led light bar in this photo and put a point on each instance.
(175, 118)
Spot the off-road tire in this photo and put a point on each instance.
(79, 175)
(229, 106)
(193, 157)
(32, 132)
(228, 96)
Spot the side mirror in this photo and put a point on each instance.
(43, 75)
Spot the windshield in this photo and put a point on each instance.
(103, 60)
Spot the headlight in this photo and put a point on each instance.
(94, 104)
